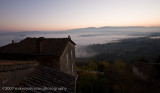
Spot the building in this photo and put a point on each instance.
(147, 71)
(50, 63)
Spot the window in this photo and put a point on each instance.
(72, 67)
(71, 54)
(67, 60)
(72, 60)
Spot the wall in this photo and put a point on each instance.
(68, 59)
(12, 72)
(49, 61)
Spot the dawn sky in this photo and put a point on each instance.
(53, 15)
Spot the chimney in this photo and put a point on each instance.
(69, 37)
(40, 45)
(12, 41)
(41, 38)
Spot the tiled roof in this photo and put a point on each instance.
(49, 46)
(44, 78)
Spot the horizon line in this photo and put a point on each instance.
(71, 29)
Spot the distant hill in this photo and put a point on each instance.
(127, 50)
(119, 28)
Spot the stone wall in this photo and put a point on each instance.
(12, 72)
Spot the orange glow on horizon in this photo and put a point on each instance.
(70, 28)
(63, 27)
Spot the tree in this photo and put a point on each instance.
(119, 77)
(91, 83)
(103, 66)
(92, 66)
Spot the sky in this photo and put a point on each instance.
(56, 15)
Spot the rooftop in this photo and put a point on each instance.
(37, 46)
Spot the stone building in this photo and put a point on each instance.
(147, 71)
(53, 63)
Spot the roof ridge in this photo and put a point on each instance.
(44, 38)
(42, 46)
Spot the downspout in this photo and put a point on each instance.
(76, 78)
